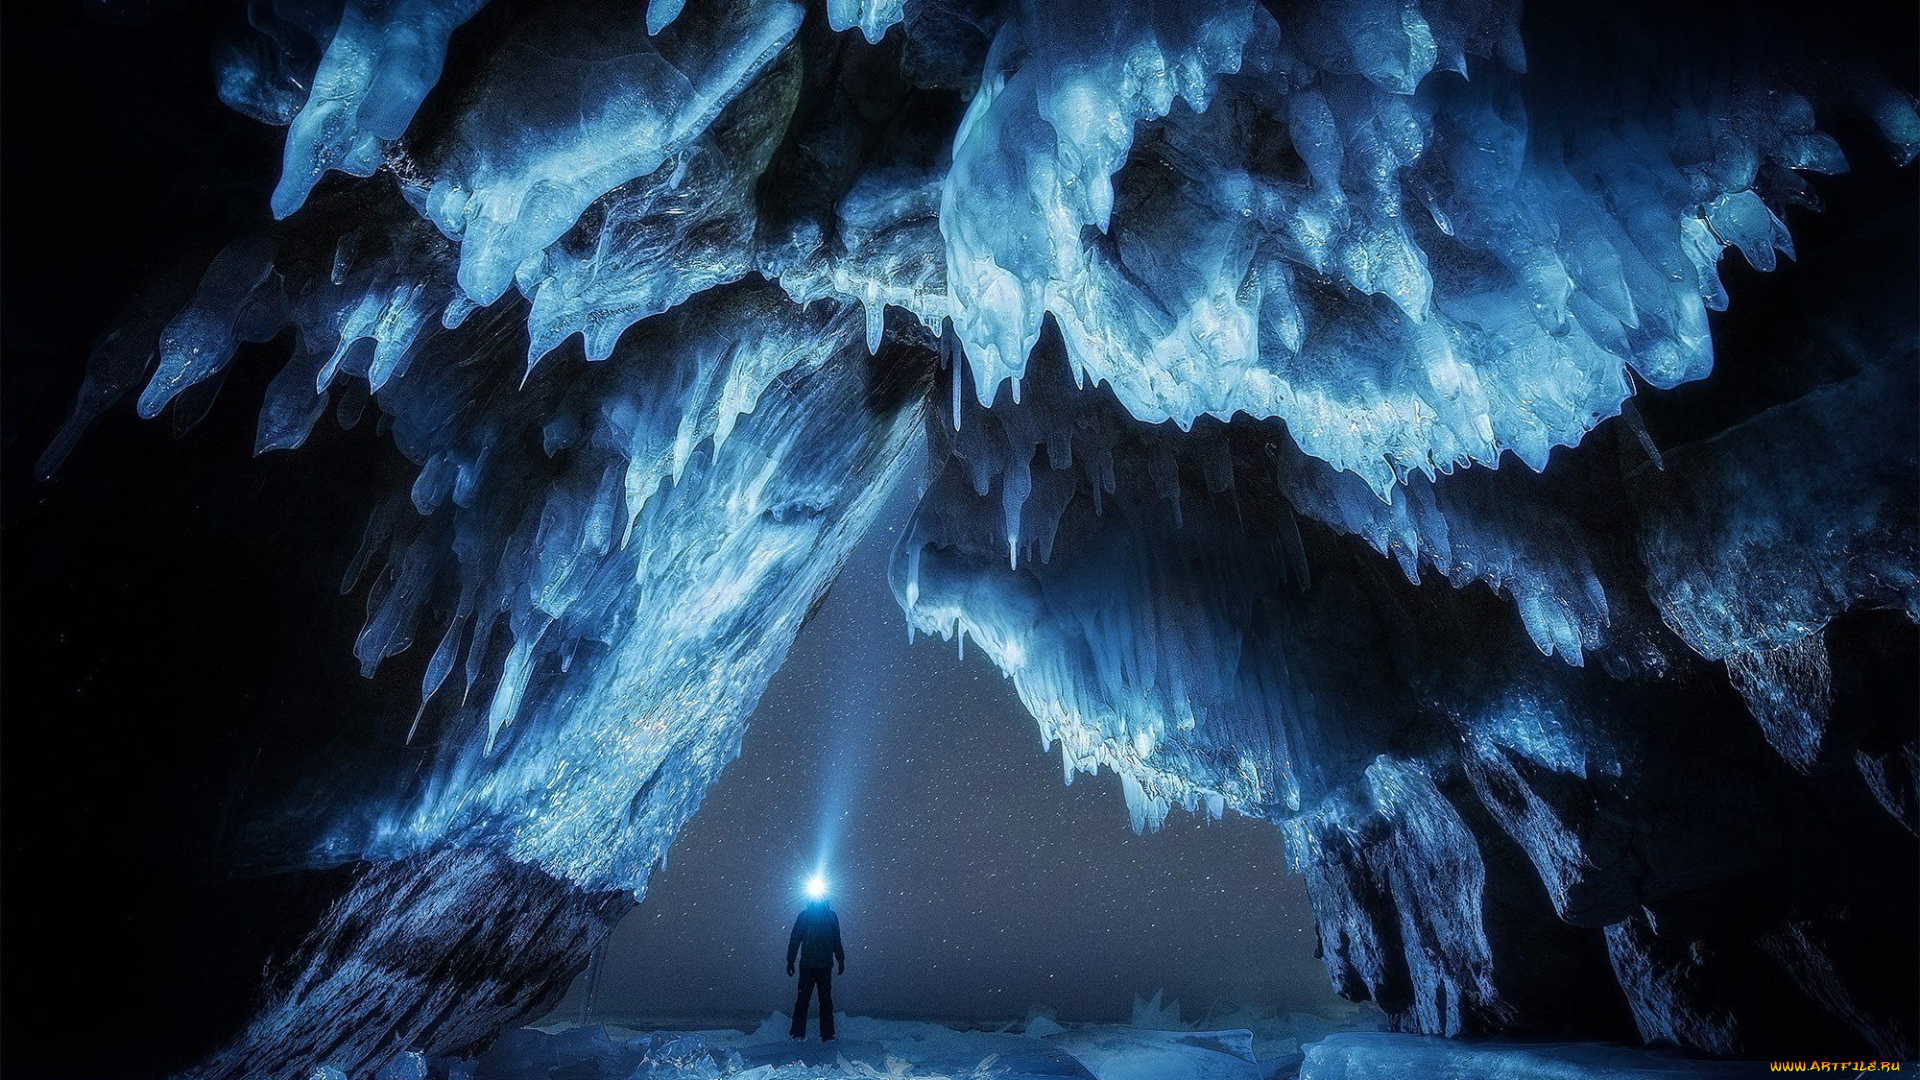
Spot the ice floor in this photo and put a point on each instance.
(866, 1047)
(1240, 1046)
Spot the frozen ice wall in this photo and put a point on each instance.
(1309, 442)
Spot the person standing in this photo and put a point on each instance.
(815, 942)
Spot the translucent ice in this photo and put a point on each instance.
(384, 57)
(578, 103)
(871, 16)
(1415, 271)
(698, 491)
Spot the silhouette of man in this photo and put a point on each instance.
(816, 941)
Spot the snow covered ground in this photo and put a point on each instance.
(1155, 1046)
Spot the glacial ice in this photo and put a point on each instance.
(1175, 607)
(1367, 1056)
(384, 57)
(871, 16)
(1159, 1049)
(1319, 217)
(692, 526)
(1038, 1047)
(1275, 368)
(664, 237)
(1329, 233)
(580, 101)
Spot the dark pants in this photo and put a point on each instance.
(810, 978)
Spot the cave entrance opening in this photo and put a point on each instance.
(971, 881)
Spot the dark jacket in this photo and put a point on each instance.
(816, 938)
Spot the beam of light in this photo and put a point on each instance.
(865, 700)
(817, 887)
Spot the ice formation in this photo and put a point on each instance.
(1290, 378)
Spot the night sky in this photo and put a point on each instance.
(971, 882)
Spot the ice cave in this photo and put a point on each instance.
(1443, 474)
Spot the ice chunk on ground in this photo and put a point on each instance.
(1113, 1052)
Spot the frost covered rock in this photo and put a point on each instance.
(434, 953)
(1758, 539)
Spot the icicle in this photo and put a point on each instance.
(442, 662)
(876, 311)
(661, 13)
(958, 359)
(1630, 416)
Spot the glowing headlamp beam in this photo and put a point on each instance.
(817, 887)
